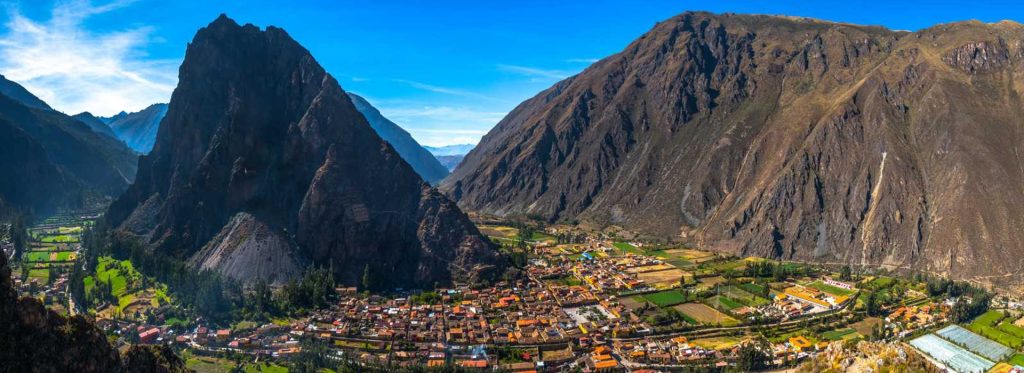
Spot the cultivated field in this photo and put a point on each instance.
(662, 279)
(705, 315)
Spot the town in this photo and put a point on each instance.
(586, 300)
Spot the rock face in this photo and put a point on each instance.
(138, 129)
(262, 152)
(411, 151)
(53, 161)
(34, 339)
(781, 137)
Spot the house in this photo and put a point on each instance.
(149, 336)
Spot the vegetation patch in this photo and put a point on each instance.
(834, 290)
(839, 334)
(665, 298)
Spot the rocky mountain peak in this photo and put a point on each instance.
(263, 155)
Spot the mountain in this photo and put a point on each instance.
(450, 161)
(52, 161)
(264, 166)
(138, 129)
(95, 124)
(411, 151)
(18, 93)
(781, 137)
(450, 155)
(34, 339)
(459, 149)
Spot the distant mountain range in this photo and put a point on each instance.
(781, 137)
(52, 161)
(138, 129)
(450, 155)
(411, 151)
(257, 174)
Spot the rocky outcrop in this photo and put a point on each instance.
(259, 139)
(781, 137)
(411, 151)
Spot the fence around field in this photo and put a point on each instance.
(951, 355)
(976, 343)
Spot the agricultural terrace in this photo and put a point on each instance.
(121, 291)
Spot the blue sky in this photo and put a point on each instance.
(446, 71)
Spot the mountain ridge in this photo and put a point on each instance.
(787, 138)
(411, 151)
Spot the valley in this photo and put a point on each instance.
(586, 299)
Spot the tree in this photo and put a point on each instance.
(368, 281)
(752, 357)
(846, 274)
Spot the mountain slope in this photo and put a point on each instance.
(34, 339)
(411, 151)
(138, 129)
(781, 137)
(18, 93)
(56, 161)
(95, 124)
(263, 154)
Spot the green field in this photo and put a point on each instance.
(835, 335)
(36, 256)
(752, 288)
(1017, 359)
(830, 289)
(881, 282)
(665, 298)
(722, 302)
(626, 247)
(996, 335)
(60, 238)
(1007, 327)
(989, 318)
(44, 256)
(743, 296)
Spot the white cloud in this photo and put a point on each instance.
(582, 60)
(74, 69)
(535, 72)
(442, 90)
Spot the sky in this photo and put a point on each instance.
(446, 71)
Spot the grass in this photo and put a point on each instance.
(627, 247)
(265, 368)
(838, 334)
(43, 275)
(834, 290)
(989, 318)
(36, 256)
(996, 335)
(753, 288)
(665, 298)
(1017, 359)
(60, 238)
(881, 282)
(1008, 328)
(719, 301)
(209, 365)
